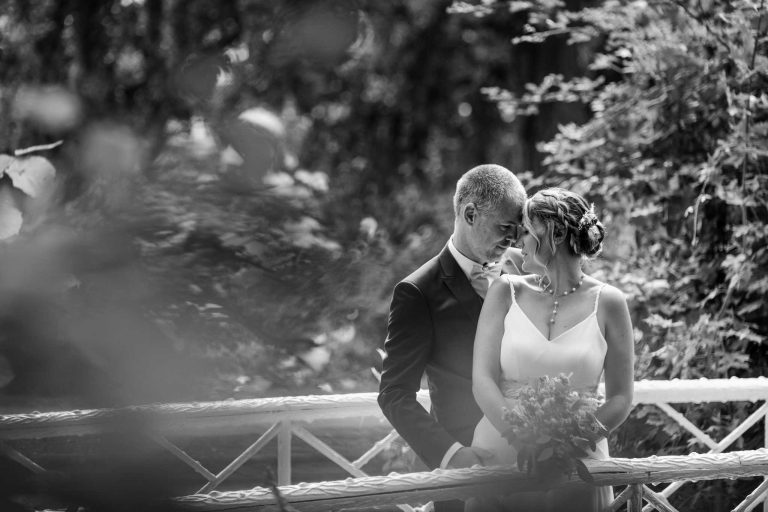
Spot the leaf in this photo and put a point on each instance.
(263, 120)
(577, 405)
(645, 211)
(10, 216)
(581, 443)
(518, 6)
(545, 454)
(543, 439)
(598, 429)
(749, 307)
(33, 175)
(656, 320)
(315, 180)
(5, 162)
(511, 437)
(316, 358)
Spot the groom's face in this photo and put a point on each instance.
(492, 232)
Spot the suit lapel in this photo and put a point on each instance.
(459, 285)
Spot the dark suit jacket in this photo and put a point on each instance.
(432, 323)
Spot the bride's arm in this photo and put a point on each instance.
(486, 366)
(619, 359)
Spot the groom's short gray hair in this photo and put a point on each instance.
(486, 186)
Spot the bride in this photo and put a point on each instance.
(559, 321)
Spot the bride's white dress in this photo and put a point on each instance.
(527, 353)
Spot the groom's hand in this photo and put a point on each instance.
(466, 457)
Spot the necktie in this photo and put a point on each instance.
(481, 276)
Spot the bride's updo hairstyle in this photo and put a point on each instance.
(563, 211)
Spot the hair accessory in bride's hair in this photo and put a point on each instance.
(589, 218)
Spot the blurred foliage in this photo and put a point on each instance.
(675, 155)
(249, 179)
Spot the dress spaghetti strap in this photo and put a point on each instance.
(597, 298)
(508, 277)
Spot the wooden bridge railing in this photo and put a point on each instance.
(282, 418)
(369, 492)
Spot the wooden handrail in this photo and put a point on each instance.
(284, 417)
(240, 416)
(194, 418)
(673, 468)
(478, 481)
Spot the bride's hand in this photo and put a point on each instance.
(488, 458)
(471, 456)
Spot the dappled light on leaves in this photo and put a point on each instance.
(315, 180)
(248, 292)
(316, 358)
(674, 151)
(307, 233)
(283, 184)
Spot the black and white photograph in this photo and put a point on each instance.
(383, 255)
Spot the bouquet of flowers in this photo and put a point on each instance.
(552, 425)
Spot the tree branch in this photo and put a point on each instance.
(711, 32)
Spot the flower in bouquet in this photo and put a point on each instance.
(552, 425)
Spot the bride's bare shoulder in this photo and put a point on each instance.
(528, 282)
(611, 298)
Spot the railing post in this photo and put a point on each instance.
(284, 453)
(765, 443)
(635, 503)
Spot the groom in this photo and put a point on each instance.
(433, 318)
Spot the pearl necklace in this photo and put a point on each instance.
(556, 303)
